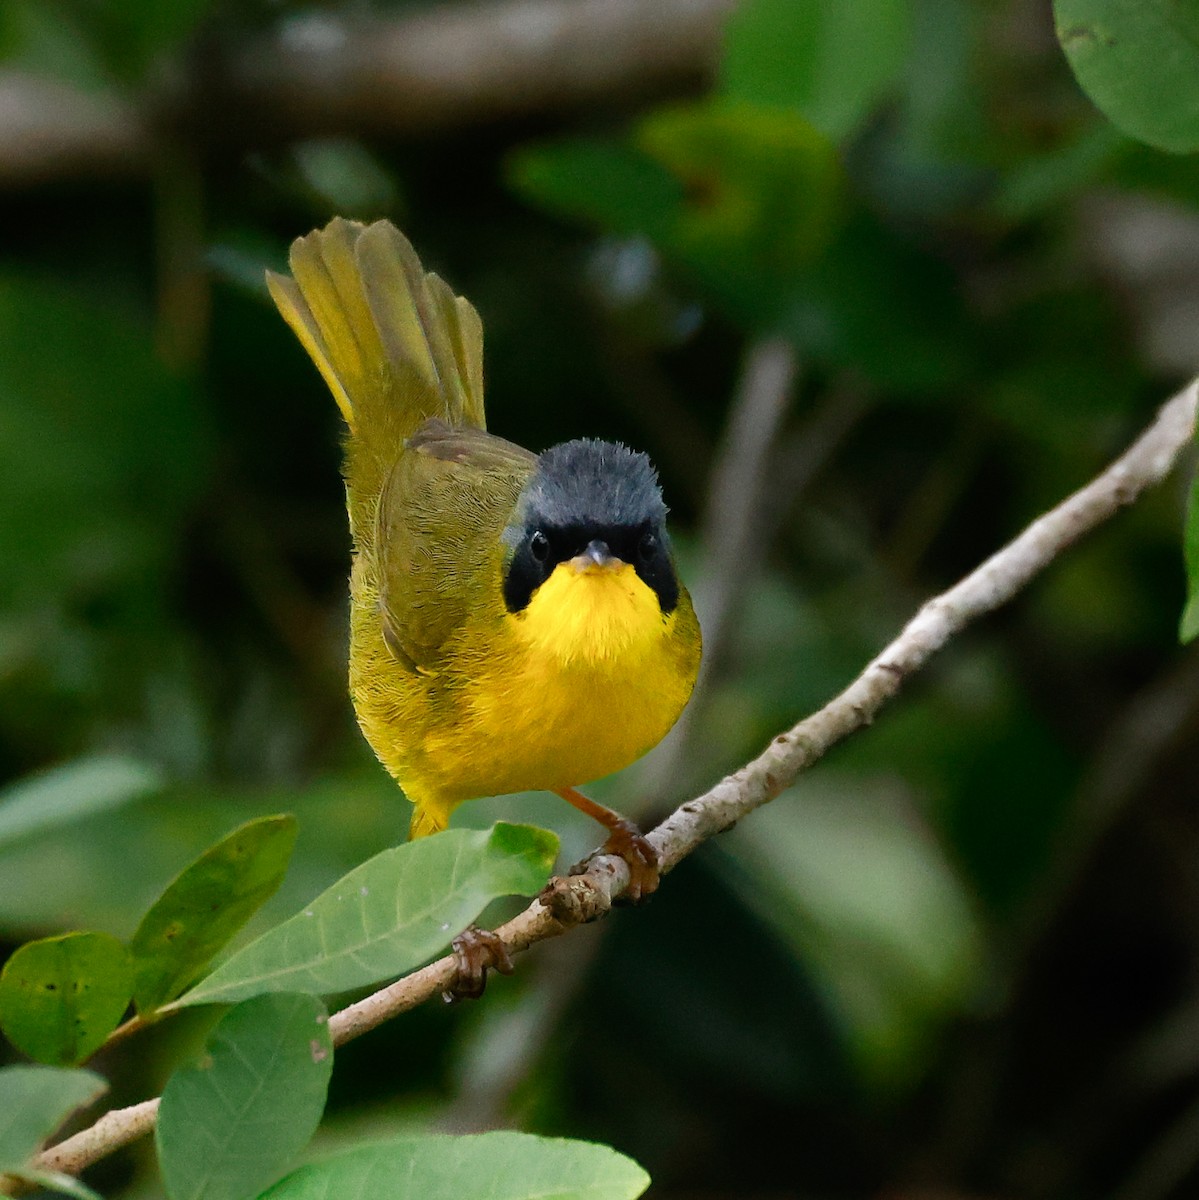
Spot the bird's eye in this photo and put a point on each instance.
(539, 546)
(647, 547)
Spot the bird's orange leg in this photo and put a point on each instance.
(625, 840)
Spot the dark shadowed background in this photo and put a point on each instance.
(874, 285)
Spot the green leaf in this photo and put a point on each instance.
(606, 184)
(1189, 626)
(345, 177)
(47, 39)
(148, 31)
(62, 996)
(208, 902)
(481, 1166)
(34, 1102)
(387, 916)
(762, 186)
(132, 37)
(56, 1181)
(1039, 183)
(1138, 60)
(233, 1120)
(833, 62)
(72, 792)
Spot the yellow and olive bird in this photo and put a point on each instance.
(517, 622)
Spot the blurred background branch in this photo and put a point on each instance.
(51, 130)
(326, 73)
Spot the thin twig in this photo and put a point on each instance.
(734, 540)
(739, 486)
(112, 1131)
(481, 62)
(572, 900)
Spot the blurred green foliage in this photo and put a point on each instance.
(792, 54)
(958, 956)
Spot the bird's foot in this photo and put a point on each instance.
(475, 952)
(627, 842)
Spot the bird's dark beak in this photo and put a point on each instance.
(597, 557)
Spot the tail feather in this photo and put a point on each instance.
(290, 302)
(465, 330)
(408, 316)
(394, 344)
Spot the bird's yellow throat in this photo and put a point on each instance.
(591, 614)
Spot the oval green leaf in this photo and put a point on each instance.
(1138, 60)
(34, 1102)
(230, 1122)
(482, 1166)
(206, 905)
(830, 60)
(387, 916)
(62, 996)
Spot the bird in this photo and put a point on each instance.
(517, 620)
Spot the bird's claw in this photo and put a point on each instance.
(475, 952)
(629, 843)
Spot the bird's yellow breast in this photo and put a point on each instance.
(583, 681)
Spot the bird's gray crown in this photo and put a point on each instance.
(589, 482)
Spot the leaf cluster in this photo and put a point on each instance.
(232, 1121)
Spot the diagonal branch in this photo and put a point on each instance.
(569, 901)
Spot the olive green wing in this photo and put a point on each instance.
(441, 515)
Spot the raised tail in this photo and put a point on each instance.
(394, 344)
